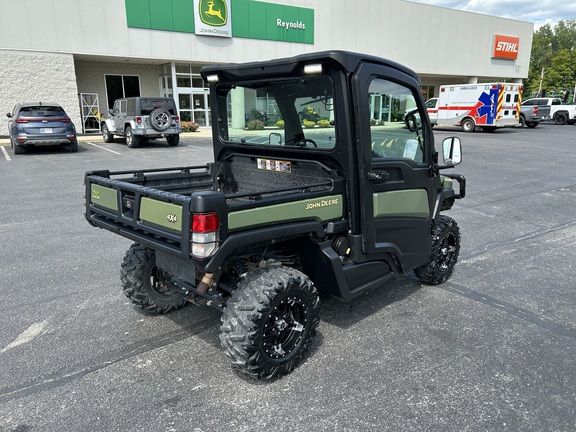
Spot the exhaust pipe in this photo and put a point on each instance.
(205, 284)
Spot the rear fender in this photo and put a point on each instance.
(262, 236)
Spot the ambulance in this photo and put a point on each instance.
(486, 105)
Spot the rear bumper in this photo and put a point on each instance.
(154, 133)
(44, 140)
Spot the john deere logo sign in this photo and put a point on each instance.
(211, 18)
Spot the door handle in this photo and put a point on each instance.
(378, 176)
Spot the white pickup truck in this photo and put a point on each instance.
(559, 112)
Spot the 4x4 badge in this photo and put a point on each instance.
(172, 218)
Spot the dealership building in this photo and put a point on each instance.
(84, 55)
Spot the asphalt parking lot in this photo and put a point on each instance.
(492, 349)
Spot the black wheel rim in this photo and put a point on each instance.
(284, 328)
(446, 252)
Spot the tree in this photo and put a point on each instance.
(554, 54)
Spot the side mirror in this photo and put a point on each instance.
(412, 120)
(111, 112)
(8, 115)
(274, 138)
(452, 151)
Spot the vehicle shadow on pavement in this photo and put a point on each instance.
(345, 315)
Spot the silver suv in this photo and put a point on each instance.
(141, 118)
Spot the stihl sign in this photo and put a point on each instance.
(505, 47)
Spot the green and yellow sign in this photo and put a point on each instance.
(211, 18)
(224, 18)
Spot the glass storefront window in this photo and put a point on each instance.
(199, 101)
(183, 81)
(191, 91)
(427, 91)
(184, 101)
(182, 68)
(198, 82)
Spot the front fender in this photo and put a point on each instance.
(110, 125)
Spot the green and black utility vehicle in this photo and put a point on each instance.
(323, 184)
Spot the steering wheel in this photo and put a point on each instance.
(304, 142)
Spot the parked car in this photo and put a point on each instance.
(142, 118)
(34, 124)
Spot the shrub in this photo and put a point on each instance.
(188, 126)
(255, 125)
(259, 115)
(323, 123)
(308, 124)
(280, 124)
(309, 114)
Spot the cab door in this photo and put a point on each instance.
(397, 187)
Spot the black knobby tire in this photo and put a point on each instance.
(532, 125)
(106, 135)
(444, 253)
(145, 284)
(132, 141)
(269, 322)
(468, 125)
(173, 140)
(73, 147)
(561, 118)
(160, 119)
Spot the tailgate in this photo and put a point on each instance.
(157, 218)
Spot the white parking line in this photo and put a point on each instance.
(5, 154)
(103, 148)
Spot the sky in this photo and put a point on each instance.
(539, 12)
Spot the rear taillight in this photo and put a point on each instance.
(176, 119)
(139, 120)
(535, 110)
(205, 234)
(21, 120)
(65, 120)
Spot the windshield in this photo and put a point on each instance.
(295, 112)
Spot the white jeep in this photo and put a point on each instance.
(142, 118)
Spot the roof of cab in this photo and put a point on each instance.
(347, 60)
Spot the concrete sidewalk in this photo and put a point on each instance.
(203, 132)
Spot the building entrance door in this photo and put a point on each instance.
(195, 107)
